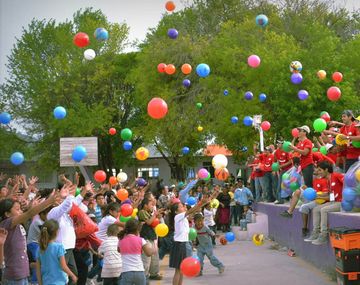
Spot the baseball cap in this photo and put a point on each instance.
(349, 113)
(328, 146)
(304, 128)
(172, 186)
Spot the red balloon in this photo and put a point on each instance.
(326, 117)
(170, 69)
(337, 76)
(190, 267)
(295, 132)
(265, 126)
(157, 108)
(113, 180)
(334, 93)
(100, 176)
(155, 222)
(161, 67)
(126, 210)
(81, 40)
(170, 6)
(112, 131)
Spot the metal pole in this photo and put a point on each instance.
(261, 139)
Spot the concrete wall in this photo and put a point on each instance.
(287, 232)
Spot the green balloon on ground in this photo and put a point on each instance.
(323, 150)
(192, 234)
(275, 166)
(126, 134)
(319, 125)
(286, 146)
(198, 105)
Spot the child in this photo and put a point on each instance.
(3, 235)
(110, 217)
(131, 247)
(205, 246)
(209, 215)
(248, 219)
(51, 266)
(112, 258)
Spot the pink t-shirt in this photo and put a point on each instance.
(131, 248)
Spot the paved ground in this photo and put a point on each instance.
(250, 265)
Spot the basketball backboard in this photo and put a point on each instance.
(67, 146)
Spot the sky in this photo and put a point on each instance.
(140, 15)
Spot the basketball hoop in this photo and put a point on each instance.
(257, 121)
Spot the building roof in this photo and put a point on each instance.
(214, 149)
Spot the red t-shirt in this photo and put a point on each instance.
(320, 185)
(283, 157)
(335, 185)
(267, 161)
(318, 157)
(305, 160)
(332, 156)
(257, 172)
(351, 152)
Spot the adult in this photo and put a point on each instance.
(267, 159)
(242, 197)
(304, 148)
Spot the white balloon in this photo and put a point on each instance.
(219, 161)
(89, 54)
(122, 177)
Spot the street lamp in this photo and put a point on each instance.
(257, 125)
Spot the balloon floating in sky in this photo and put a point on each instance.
(234, 120)
(161, 67)
(200, 129)
(261, 20)
(321, 74)
(295, 66)
(248, 95)
(303, 95)
(185, 150)
(334, 93)
(157, 108)
(226, 92)
(262, 97)
(127, 145)
(5, 118)
(186, 68)
(89, 54)
(17, 158)
(172, 33)
(101, 34)
(265, 125)
(199, 105)
(337, 76)
(100, 176)
(112, 131)
(254, 61)
(126, 134)
(203, 70)
(81, 40)
(79, 153)
(186, 83)
(170, 69)
(142, 153)
(59, 113)
(170, 6)
(248, 121)
(296, 78)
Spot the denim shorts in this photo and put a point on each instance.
(23, 281)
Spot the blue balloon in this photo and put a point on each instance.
(244, 149)
(185, 150)
(346, 206)
(348, 194)
(127, 145)
(79, 153)
(101, 262)
(234, 119)
(226, 92)
(191, 201)
(309, 194)
(296, 78)
(262, 97)
(248, 121)
(248, 95)
(17, 158)
(173, 33)
(203, 70)
(261, 20)
(186, 83)
(229, 236)
(303, 95)
(196, 256)
(101, 34)
(5, 118)
(59, 113)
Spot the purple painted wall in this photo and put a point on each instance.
(287, 232)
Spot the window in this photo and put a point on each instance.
(208, 166)
(152, 172)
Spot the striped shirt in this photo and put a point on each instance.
(112, 258)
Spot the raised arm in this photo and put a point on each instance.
(185, 192)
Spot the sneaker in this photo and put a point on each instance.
(286, 214)
(312, 237)
(322, 239)
(90, 282)
(156, 277)
(221, 270)
(277, 202)
(305, 232)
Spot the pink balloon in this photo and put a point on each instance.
(334, 93)
(157, 108)
(265, 126)
(295, 132)
(203, 173)
(254, 61)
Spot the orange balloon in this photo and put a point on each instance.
(113, 180)
(122, 194)
(170, 6)
(186, 68)
(170, 69)
(221, 174)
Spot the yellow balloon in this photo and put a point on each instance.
(142, 153)
(231, 194)
(340, 141)
(357, 174)
(319, 200)
(321, 74)
(258, 239)
(161, 230)
(200, 128)
(214, 203)
(134, 213)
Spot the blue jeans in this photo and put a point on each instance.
(133, 278)
(207, 250)
(233, 215)
(266, 184)
(258, 189)
(16, 282)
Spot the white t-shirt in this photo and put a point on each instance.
(209, 217)
(182, 228)
(112, 258)
(103, 226)
(131, 249)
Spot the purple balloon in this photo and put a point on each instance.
(248, 95)
(350, 179)
(173, 33)
(356, 202)
(186, 83)
(303, 94)
(296, 78)
(141, 182)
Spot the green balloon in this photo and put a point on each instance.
(315, 149)
(198, 105)
(319, 125)
(356, 144)
(78, 191)
(323, 150)
(275, 166)
(126, 134)
(294, 186)
(124, 219)
(286, 146)
(208, 177)
(285, 176)
(192, 234)
(323, 112)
